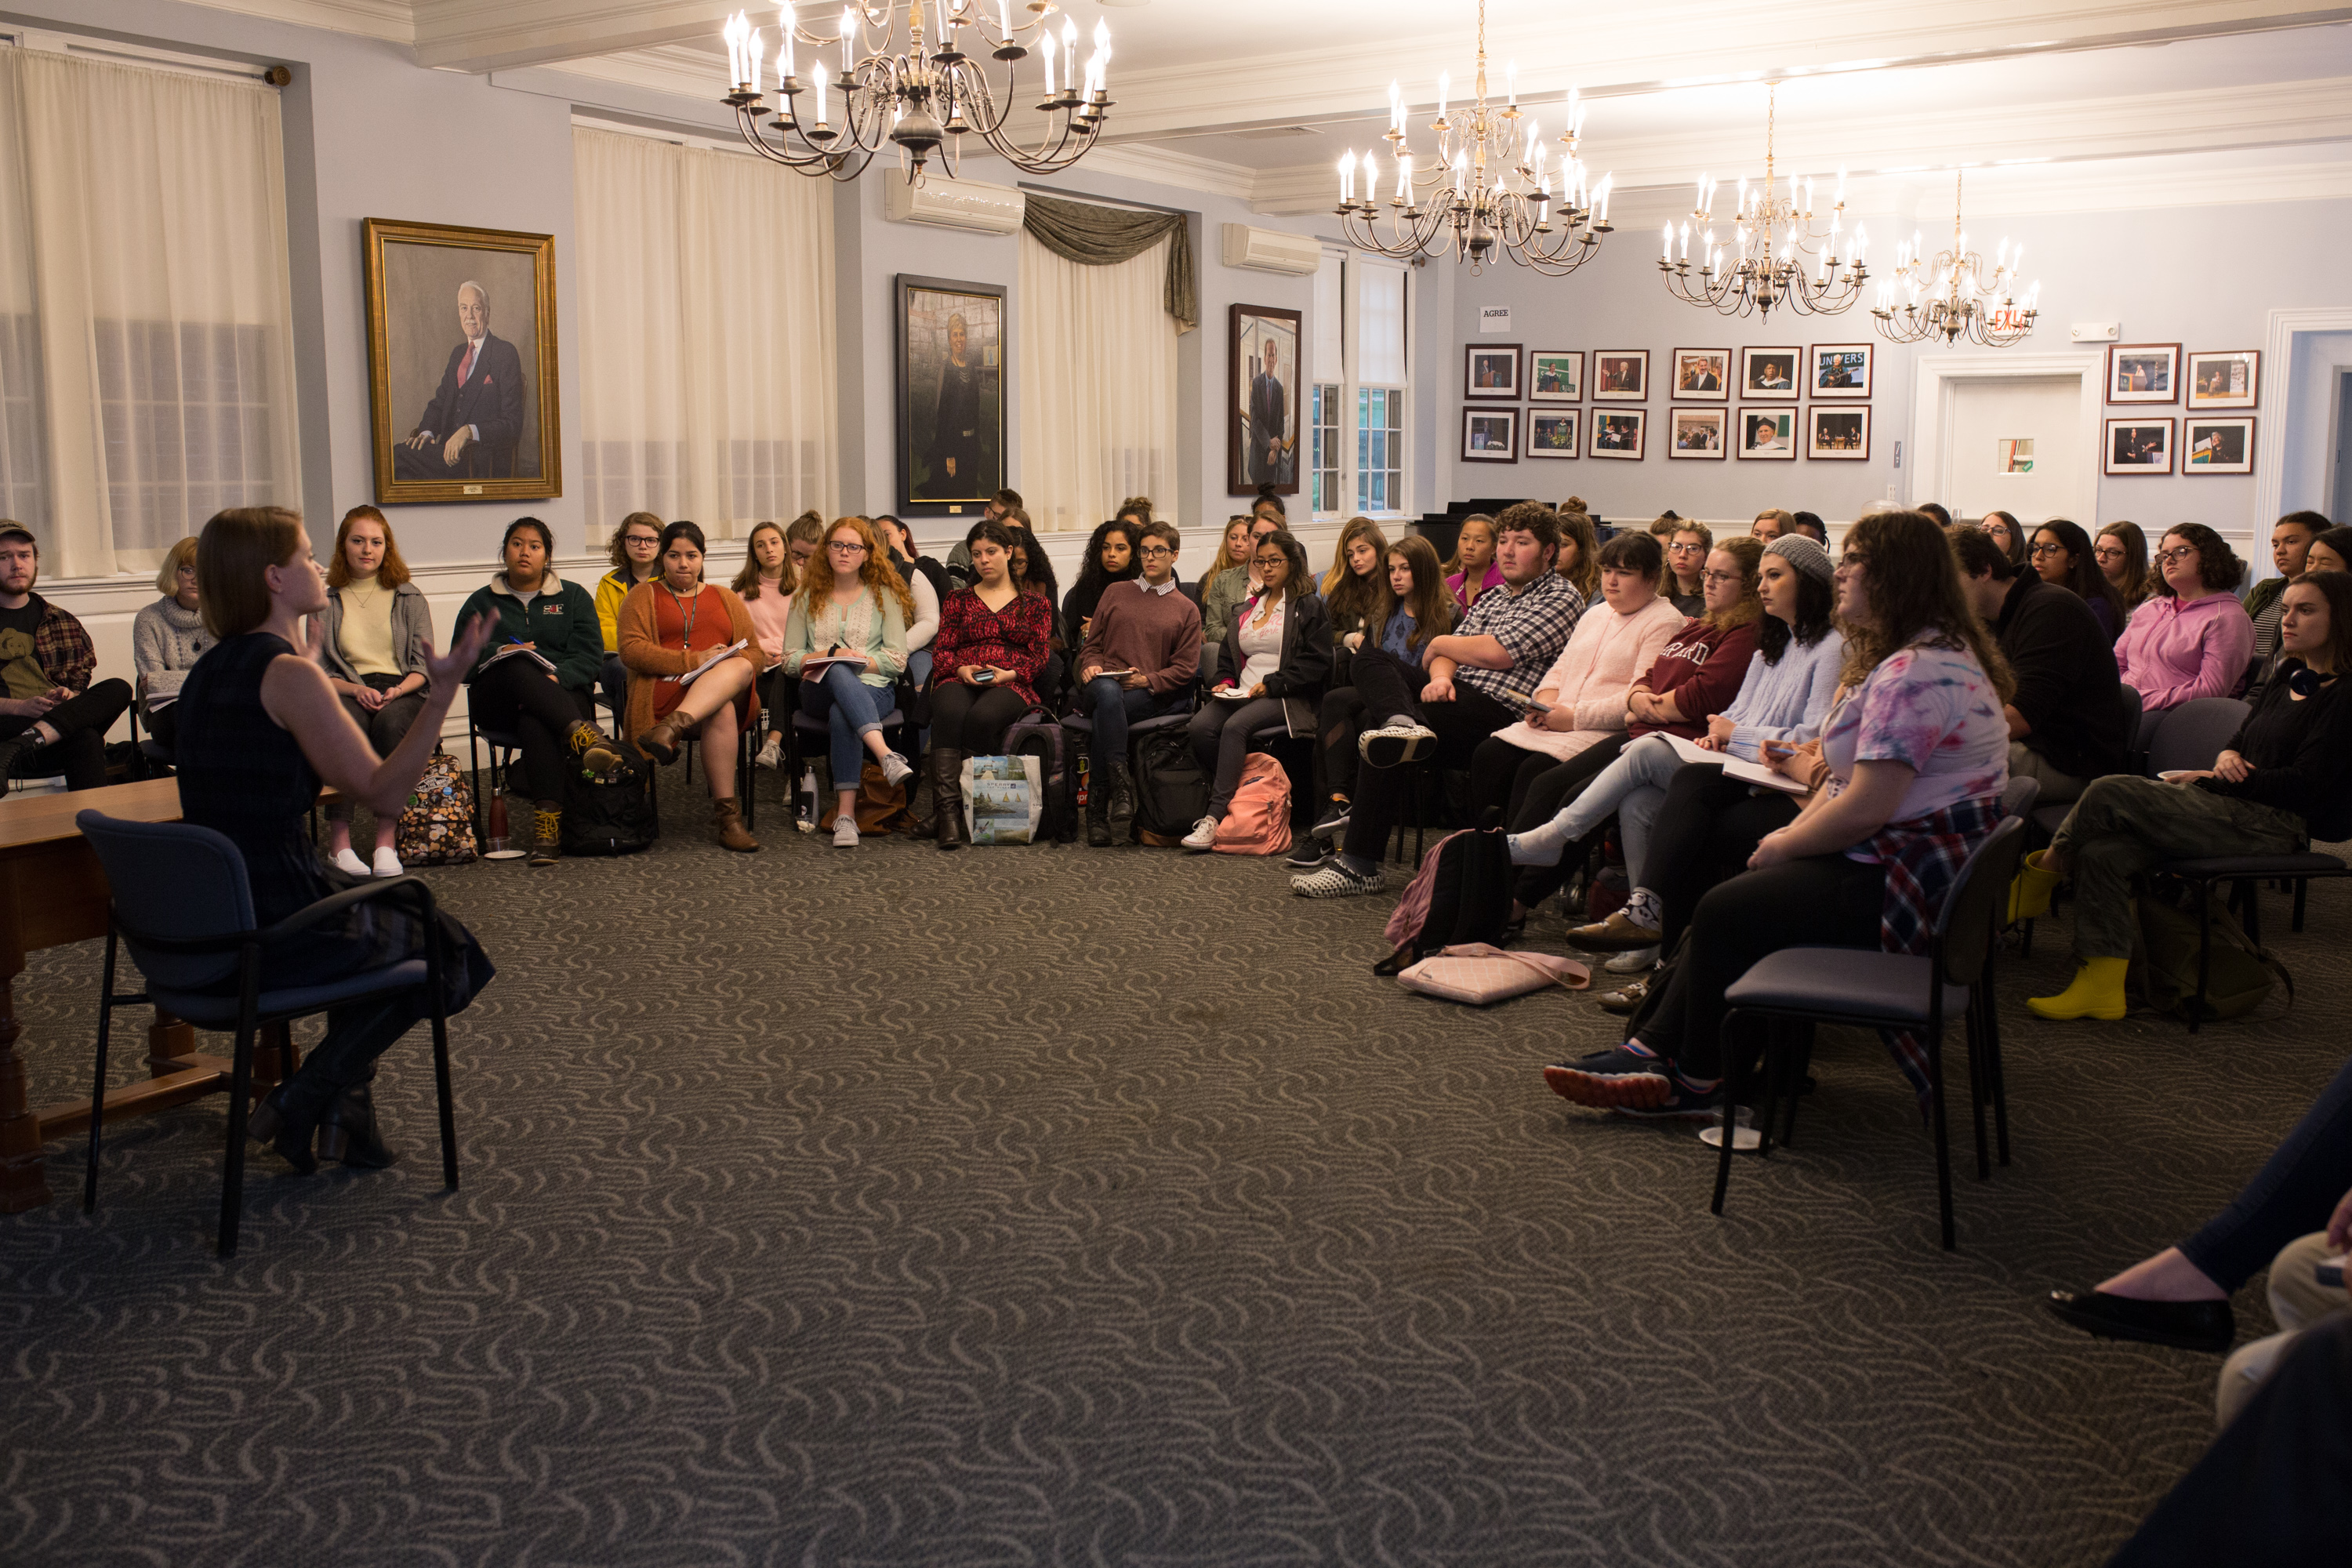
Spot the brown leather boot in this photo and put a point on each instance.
(726, 827)
(663, 741)
(947, 797)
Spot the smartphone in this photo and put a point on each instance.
(985, 678)
(2330, 1271)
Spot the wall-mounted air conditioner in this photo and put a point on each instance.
(1271, 250)
(954, 204)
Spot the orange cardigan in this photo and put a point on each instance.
(644, 654)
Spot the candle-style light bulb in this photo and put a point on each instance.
(1048, 41)
(848, 39)
(819, 71)
(1669, 254)
(786, 23)
(732, 33)
(1444, 85)
(1348, 175)
(1685, 242)
(758, 53)
(1511, 84)
(1404, 176)
(1396, 107)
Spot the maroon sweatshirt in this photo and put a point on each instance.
(1703, 668)
(1136, 628)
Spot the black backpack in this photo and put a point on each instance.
(1172, 793)
(1041, 738)
(612, 816)
(1467, 882)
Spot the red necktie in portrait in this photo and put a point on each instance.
(473, 352)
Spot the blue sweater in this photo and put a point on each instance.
(1786, 701)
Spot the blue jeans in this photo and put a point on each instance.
(1113, 708)
(852, 710)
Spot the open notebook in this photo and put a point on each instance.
(1738, 767)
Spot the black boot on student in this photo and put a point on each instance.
(1098, 818)
(347, 1132)
(947, 794)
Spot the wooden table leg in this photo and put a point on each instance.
(274, 1059)
(22, 1184)
(169, 1038)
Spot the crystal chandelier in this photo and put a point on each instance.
(1774, 241)
(842, 98)
(1954, 293)
(1488, 184)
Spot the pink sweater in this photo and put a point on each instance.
(2172, 652)
(1594, 673)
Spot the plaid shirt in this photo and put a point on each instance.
(1532, 625)
(1923, 859)
(62, 648)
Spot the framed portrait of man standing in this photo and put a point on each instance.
(1262, 427)
(950, 393)
(461, 364)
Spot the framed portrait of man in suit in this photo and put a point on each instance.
(1263, 416)
(951, 395)
(461, 364)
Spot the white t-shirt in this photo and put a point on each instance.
(1261, 645)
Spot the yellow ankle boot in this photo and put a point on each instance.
(2030, 890)
(2097, 993)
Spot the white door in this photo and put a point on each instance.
(2012, 444)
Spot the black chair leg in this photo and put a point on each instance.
(98, 1085)
(2251, 913)
(2204, 951)
(1995, 1074)
(434, 960)
(1943, 1140)
(1735, 1087)
(2302, 886)
(1980, 1085)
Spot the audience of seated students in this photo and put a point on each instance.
(1355, 592)
(376, 631)
(1234, 583)
(2007, 536)
(2061, 555)
(55, 717)
(2066, 716)
(1272, 665)
(993, 644)
(1772, 525)
(167, 638)
(1457, 697)
(1004, 507)
(1687, 545)
(1916, 756)
(1936, 512)
(1140, 660)
(2291, 538)
(854, 611)
(635, 551)
(2121, 549)
(1470, 570)
(2278, 785)
(534, 678)
(1109, 558)
(266, 731)
(765, 586)
(1782, 701)
(1415, 606)
(671, 628)
(1579, 561)
(2192, 638)
(1811, 525)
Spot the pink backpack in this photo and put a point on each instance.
(1258, 821)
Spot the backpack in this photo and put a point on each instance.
(611, 815)
(1172, 793)
(437, 826)
(2238, 976)
(1257, 819)
(1041, 737)
(1461, 895)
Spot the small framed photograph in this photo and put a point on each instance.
(2143, 372)
(2139, 446)
(1842, 435)
(1552, 432)
(1491, 370)
(1768, 434)
(1697, 433)
(1619, 432)
(1490, 434)
(1555, 375)
(2216, 446)
(1838, 370)
(1703, 376)
(1621, 376)
(2229, 380)
(1768, 374)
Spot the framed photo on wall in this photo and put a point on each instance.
(1555, 375)
(1490, 434)
(2139, 446)
(461, 364)
(2143, 372)
(1621, 376)
(950, 394)
(1619, 432)
(1491, 370)
(1261, 429)
(1768, 434)
(1839, 435)
(1702, 375)
(1768, 374)
(2216, 446)
(1551, 432)
(1697, 433)
(2227, 380)
(1838, 370)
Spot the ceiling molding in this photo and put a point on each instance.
(1164, 166)
(393, 20)
(667, 67)
(500, 34)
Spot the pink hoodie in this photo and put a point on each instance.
(2172, 652)
(1595, 671)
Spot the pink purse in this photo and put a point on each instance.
(1480, 975)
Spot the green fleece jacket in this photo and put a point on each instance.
(559, 620)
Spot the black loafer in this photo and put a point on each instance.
(2183, 1325)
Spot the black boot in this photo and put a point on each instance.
(1122, 792)
(947, 797)
(347, 1131)
(1099, 818)
(287, 1121)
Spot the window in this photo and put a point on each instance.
(1379, 375)
(1379, 449)
(185, 413)
(24, 476)
(1327, 404)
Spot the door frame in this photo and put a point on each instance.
(1935, 376)
(2270, 431)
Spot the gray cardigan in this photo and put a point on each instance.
(412, 620)
(165, 643)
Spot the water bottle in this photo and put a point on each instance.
(1084, 780)
(807, 817)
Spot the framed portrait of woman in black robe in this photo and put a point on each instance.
(950, 393)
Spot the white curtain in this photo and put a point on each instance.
(705, 311)
(1096, 368)
(146, 319)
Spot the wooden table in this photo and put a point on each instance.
(52, 891)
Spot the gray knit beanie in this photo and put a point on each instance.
(1803, 554)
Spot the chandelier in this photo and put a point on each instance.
(1953, 294)
(841, 99)
(1488, 184)
(1773, 243)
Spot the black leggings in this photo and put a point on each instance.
(1338, 727)
(81, 723)
(2293, 1194)
(972, 719)
(1545, 798)
(517, 697)
(1706, 831)
(384, 727)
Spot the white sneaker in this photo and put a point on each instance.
(387, 863)
(772, 754)
(1202, 836)
(1641, 961)
(896, 769)
(1393, 745)
(844, 831)
(347, 861)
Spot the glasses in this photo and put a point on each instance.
(1853, 558)
(1691, 549)
(1154, 551)
(846, 546)
(642, 539)
(2179, 552)
(2046, 548)
(1719, 576)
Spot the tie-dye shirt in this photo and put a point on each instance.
(1933, 710)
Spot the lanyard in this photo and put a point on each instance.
(686, 607)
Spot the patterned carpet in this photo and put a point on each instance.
(1065, 1206)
